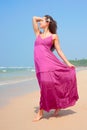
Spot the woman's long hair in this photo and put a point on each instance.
(52, 26)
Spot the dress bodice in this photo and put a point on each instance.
(44, 58)
(46, 42)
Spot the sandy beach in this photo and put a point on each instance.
(19, 112)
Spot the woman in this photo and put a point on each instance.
(57, 80)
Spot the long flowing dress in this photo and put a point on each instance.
(57, 81)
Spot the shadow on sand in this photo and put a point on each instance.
(61, 113)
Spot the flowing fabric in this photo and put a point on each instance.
(57, 81)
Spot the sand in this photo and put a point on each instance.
(20, 111)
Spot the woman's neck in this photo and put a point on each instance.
(46, 32)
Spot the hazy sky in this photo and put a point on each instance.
(17, 36)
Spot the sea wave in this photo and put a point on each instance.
(12, 74)
(15, 69)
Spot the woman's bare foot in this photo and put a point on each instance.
(39, 116)
(56, 112)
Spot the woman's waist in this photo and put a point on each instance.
(41, 47)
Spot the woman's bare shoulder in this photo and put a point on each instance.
(55, 36)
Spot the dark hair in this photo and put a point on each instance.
(52, 27)
(52, 24)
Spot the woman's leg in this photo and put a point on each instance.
(39, 115)
(56, 112)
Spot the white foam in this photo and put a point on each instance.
(4, 71)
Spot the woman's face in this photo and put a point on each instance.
(43, 23)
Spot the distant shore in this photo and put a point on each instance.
(79, 62)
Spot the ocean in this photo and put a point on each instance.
(16, 81)
(15, 74)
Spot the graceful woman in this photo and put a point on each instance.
(56, 78)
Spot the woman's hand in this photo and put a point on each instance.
(71, 65)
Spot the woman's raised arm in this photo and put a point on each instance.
(35, 21)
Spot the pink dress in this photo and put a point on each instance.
(57, 81)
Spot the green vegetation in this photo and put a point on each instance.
(81, 62)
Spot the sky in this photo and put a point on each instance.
(17, 36)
